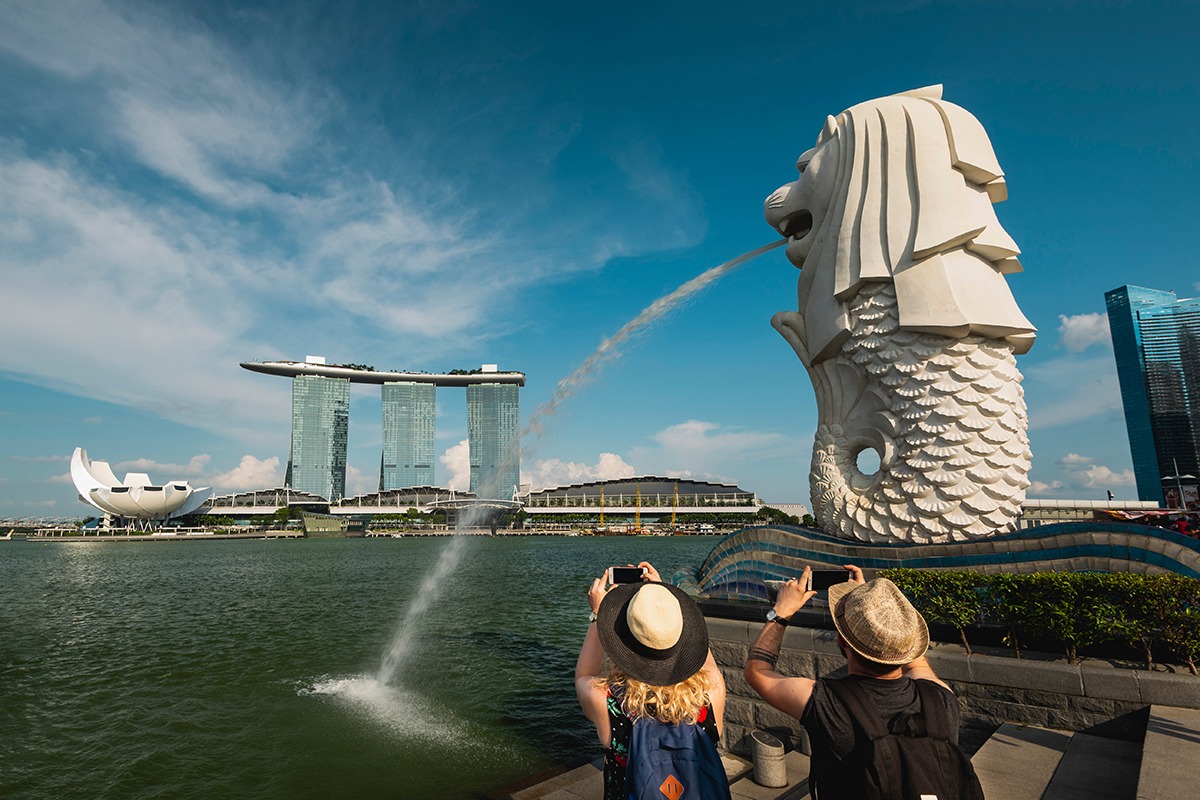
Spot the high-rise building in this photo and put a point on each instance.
(320, 423)
(493, 428)
(1156, 342)
(321, 412)
(408, 427)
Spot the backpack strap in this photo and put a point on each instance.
(865, 717)
(933, 711)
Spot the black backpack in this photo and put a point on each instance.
(888, 766)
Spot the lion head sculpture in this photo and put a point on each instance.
(906, 323)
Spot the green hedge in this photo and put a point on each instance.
(1075, 609)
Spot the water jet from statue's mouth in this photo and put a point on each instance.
(796, 225)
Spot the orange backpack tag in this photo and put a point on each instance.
(671, 788)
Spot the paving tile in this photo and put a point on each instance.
(1095, 768)
(1018, 761)
(1169, 754)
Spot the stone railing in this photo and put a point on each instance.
(1093, 696)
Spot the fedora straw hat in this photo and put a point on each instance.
(653, 632)
(877, 621)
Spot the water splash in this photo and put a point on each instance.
(611, 348)
(402, 711)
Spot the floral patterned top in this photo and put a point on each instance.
(616, 757)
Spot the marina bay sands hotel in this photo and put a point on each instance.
(321, 418)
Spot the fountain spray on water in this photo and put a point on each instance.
(374, 692)
(609, 350)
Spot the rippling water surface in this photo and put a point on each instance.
(250, 668)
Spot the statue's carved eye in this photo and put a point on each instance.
(801, 166)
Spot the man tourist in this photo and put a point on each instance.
(889, 728)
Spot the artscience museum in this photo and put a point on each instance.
(135, 502)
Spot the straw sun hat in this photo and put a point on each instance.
(878, 622)
(653, 632)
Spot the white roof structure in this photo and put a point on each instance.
(136, 497)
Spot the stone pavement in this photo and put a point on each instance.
(587, 782)
(1018, 762)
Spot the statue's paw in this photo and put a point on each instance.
(790, 325)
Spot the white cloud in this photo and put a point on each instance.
(1099, 476)
(63, 478)
(250, 473)
(1080, 331)
(358, 482)
(1078, 472)
(551, 472)
(262, 215)
(43, 459)
(457, 461)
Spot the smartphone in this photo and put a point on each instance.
(625, 574)
(822, 579)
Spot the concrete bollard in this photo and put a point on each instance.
(767, 754)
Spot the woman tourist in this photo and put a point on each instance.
(658, 692)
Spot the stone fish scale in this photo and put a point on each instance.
(954, 415)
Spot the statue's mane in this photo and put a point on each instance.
(914, 180)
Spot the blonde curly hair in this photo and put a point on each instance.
(680, 702)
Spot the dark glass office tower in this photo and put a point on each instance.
(493, 428)
(409, 410)
(320, 423)
(1156, 342)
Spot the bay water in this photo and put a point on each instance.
(252, 668)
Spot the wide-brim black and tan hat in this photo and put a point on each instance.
(877, 621)
(653, 632)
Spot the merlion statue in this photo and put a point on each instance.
(906, 324)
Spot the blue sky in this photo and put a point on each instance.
(184, 186)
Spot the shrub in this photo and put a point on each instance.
(1076, 609)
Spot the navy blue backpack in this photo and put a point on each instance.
(675, 762)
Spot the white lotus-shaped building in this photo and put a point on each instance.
(136, 497)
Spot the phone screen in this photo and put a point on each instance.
(822, 579)
(624, 574)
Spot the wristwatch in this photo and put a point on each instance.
(773, 617)
(592, 617)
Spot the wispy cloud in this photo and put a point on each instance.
(1067, 390)
(205, 200)
(700, 449)
(43, 459)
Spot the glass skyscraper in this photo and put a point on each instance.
(408, 427)
(320, 423)
(1156, 342)
(493, 428)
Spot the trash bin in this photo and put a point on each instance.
(767, 754)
